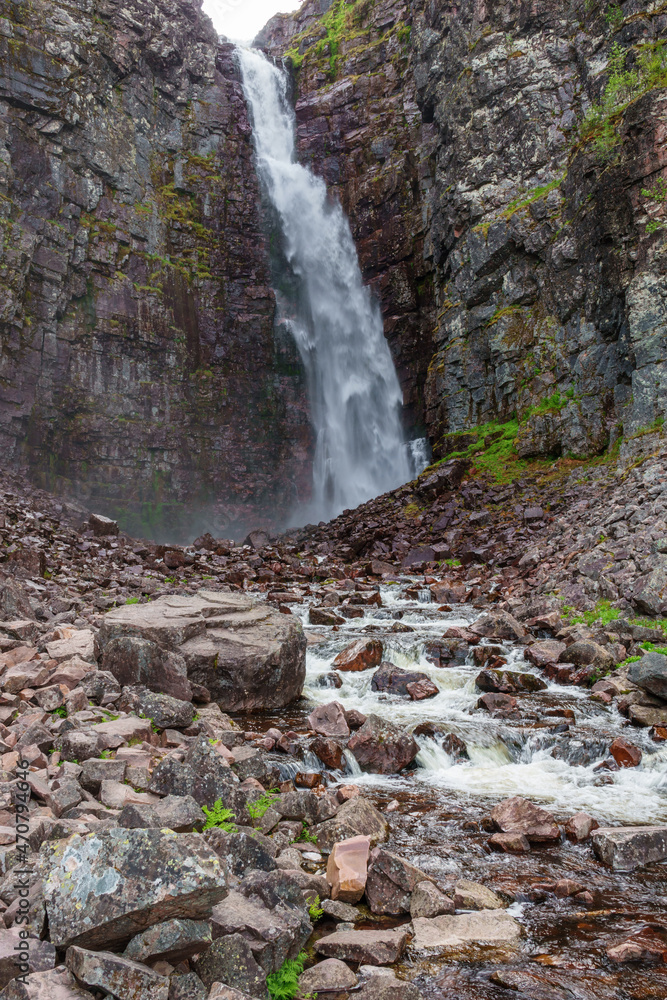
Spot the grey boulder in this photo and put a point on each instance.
(245, 653)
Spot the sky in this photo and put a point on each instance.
(240, 20)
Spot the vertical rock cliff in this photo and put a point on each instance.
(139, 368)
(504, 166)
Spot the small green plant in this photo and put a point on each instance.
(259, 807)
(315, 911)
(284, 984)
(219, 818)
(306, 835)
(132, 600)
(603, 613)
(630, 659)
(105, 754)
(602, 120)
(651, 647)
(61, 711)
(452, 563)
(614, 16)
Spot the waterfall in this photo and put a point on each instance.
(355, 396)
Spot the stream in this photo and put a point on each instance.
(437, 809)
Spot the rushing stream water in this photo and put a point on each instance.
(355, 396)
(437, 809)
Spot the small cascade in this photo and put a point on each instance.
(355, 396)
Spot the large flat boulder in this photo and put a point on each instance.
(453, 934)
(54, 984)
(519, 815)
(367, 947)
(103, 888)
(247, 654)
(627, 847)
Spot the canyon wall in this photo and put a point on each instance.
(504, 167)
(139, 369)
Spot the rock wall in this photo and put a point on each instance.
(515, 237)
(139, 370)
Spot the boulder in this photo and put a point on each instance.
(163, 711)
(41, 955)
(625, 754)
(245, 653)
(421, 690)
(508, 682)
(203, 774)
(275, 932)
(14, 601)
(580, 826)
(382, 747)
(140, 662)
(189, 986)
(427, 901)
(499, 625)
(360, 655)
(102, 526)
(54, 984)
(455, 934)
(179, 813)
(171, 941)
(126, 728)
(348, 867)
(630, 847)
(547, 651)
(509, 843)
(81, 643)
(340, 911)
(391, 881)
(329, 751)
(220, 992)
(645, 715)
(96, 770)
(116, 975)
(394, 680)
(518, 815)
(387, 987)
(230, 960)
(324, 616)
(370, 947)
(105, 887)
(244, 850)
(585, 653)
(329, 720)
(329, 976)
(473, 896)
(650, 673)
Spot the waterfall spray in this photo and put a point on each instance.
(355, 396)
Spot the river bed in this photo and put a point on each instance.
(438, 809)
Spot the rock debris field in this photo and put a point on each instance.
(418, 752)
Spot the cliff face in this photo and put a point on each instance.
(505, 170)
(139, 368)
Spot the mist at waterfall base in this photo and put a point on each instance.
(354, 392)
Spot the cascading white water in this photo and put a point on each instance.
(354, 391)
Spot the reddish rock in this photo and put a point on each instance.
(625, 754)
(347, 792)
(519, 815)
(498, 704)
(544, 652)
(499, 625)
(354, 719)
(329, 751)
(329, 720)
(381, 747)
(420, 690)
(347, 868)
(391, 882)
(658, 734)
(508, 682)
(580, 826)
(360, 655)
(394, 680)
(510, 843)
